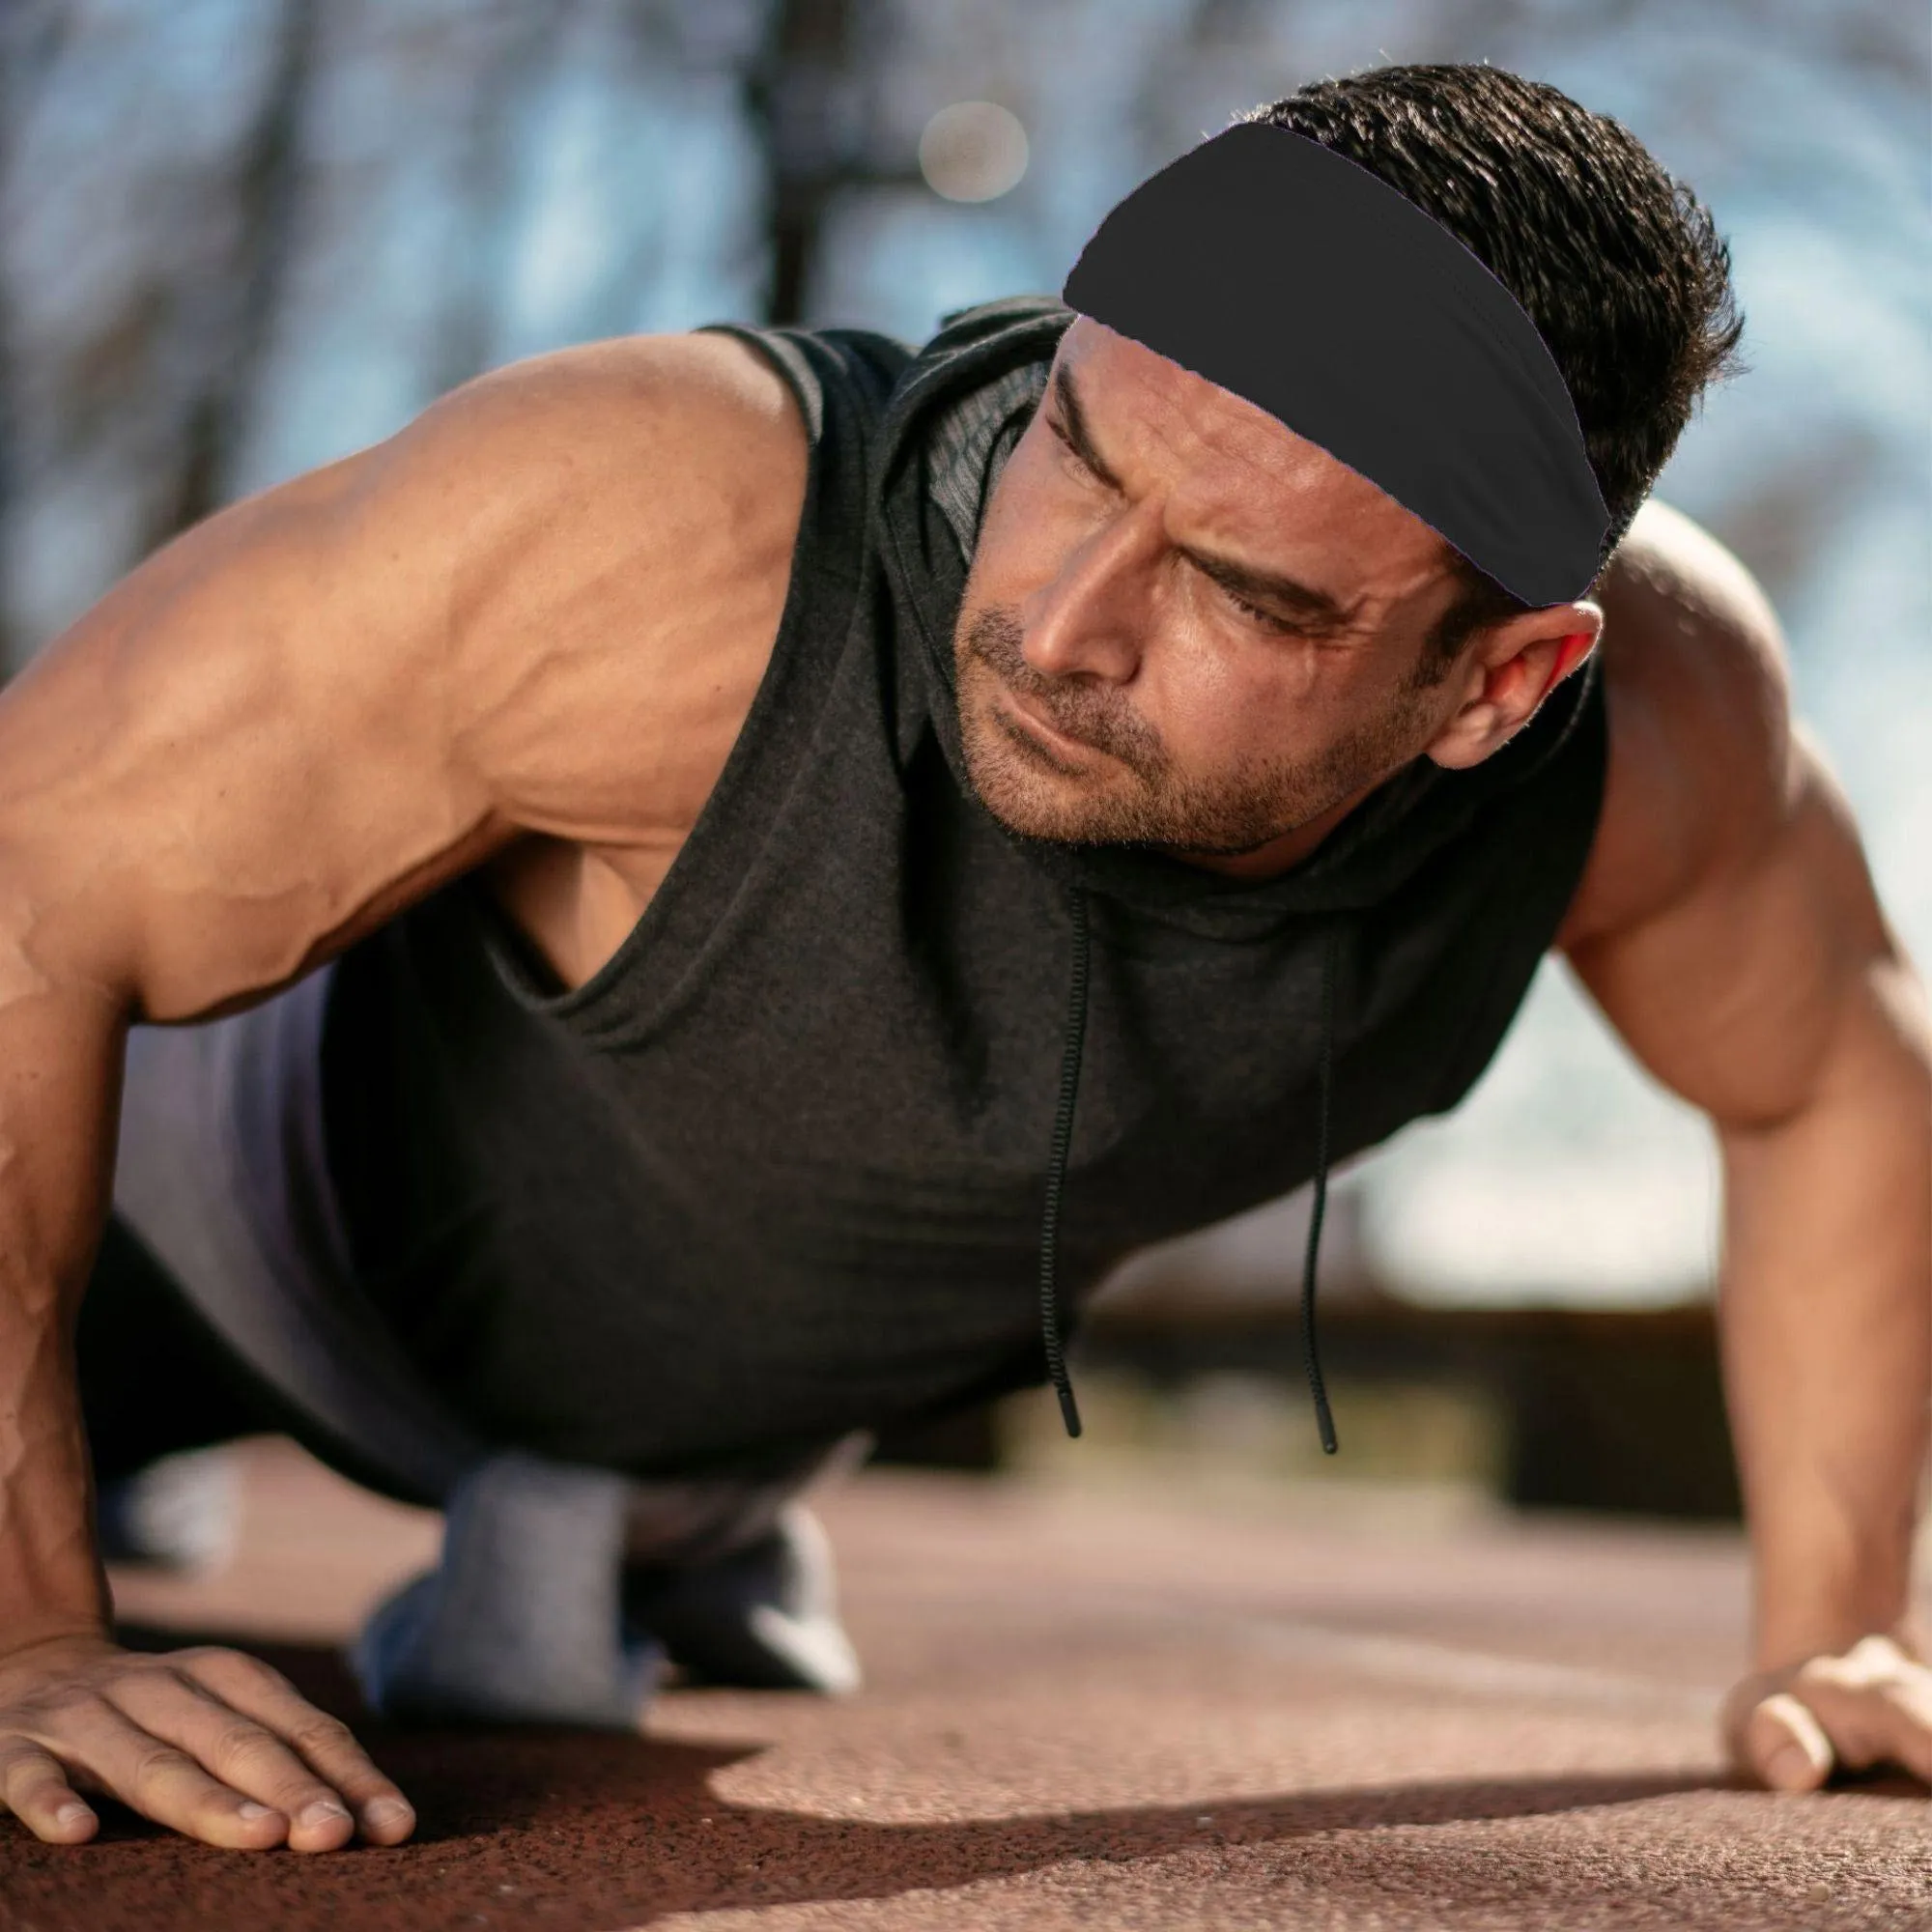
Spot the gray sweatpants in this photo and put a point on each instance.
(560, 1588)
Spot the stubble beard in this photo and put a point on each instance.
(1140, 798)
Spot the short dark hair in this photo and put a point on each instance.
(1615, 261)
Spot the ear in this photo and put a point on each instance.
(1512, 670)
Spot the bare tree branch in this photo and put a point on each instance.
(795, 90)
(809, 92)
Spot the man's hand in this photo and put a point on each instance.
(215, 1743)
(1872, 1704)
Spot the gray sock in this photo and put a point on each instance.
(542, 1610)
(521, 1621)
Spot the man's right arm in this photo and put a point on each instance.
(540, 611)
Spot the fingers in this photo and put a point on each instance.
(1869, 1705)
(325, 1746)
(34, 1787)
(1874, 1704)
(239, 1753)
(1784, 1746)
(1905, 1737)
(210, 1743)
(87, 1732)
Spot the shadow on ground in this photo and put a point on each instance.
(586, 1832)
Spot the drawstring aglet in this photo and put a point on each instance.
(1323, 1420)
(1050, 1328)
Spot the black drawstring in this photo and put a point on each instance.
(1056, 1168)
(1063, 1141)
(1325, 1421)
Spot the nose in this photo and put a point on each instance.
(1092, 617)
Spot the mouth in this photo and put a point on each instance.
(1018, 720)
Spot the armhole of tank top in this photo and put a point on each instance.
(506, 950)
(1481, 1038)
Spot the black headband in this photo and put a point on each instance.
(1300, 281)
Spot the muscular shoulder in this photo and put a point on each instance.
(539, 609)
(619, 524)
(1703, 766)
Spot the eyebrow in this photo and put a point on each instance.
(1313, 608)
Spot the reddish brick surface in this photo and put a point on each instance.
(1111, 1709)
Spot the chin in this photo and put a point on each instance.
(1022, 803)
(1028, 799)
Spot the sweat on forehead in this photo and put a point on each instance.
(1407, 360)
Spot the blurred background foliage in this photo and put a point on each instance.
(240, 238)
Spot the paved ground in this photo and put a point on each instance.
(1117, 1709)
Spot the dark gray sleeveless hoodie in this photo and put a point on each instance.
(777, 1170)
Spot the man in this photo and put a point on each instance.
(742, 920)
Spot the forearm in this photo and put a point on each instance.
(1825, 1316)
(60, 1062)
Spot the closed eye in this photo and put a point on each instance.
(1260, 616)
(1317, 624)
(1270, 620)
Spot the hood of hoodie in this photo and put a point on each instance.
(955, 412)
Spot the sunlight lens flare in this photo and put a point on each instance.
(973, 151)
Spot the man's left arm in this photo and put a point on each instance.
(1728, 929)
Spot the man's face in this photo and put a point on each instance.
(1185, 625)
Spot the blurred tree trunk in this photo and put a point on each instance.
(31, 32)
(811, 92)
(269, 193)
(799, 92)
